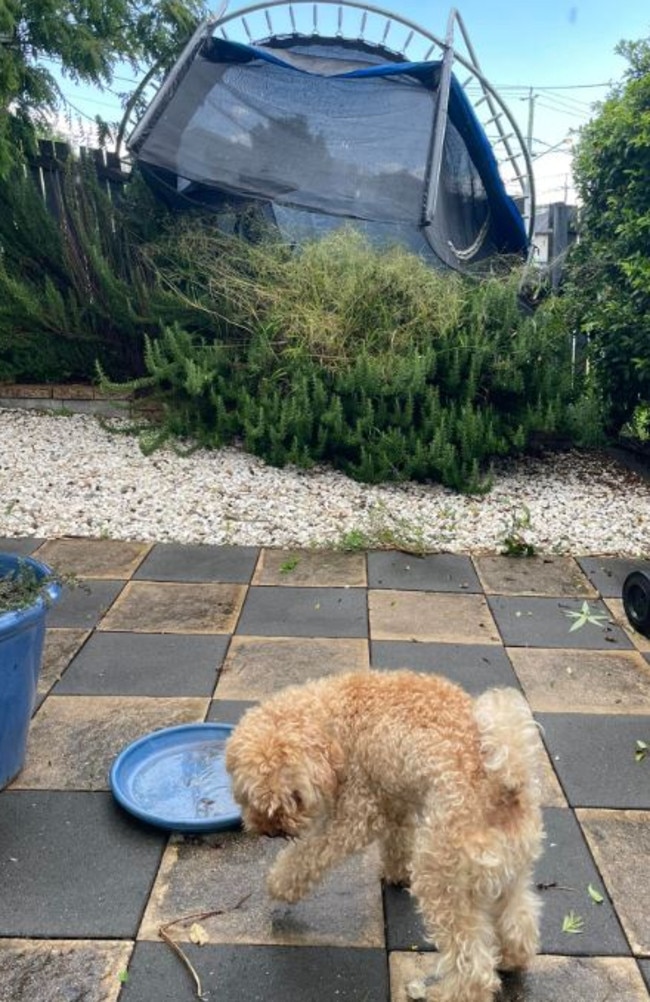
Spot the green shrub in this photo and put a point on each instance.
(367, 360)
(73, 288)
(608, 283)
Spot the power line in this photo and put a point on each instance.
(568, 102)
(527, 87)
(562, 111)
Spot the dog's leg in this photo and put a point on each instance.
(517, 922)
(396, 847)
(303, 863)
(457, 919)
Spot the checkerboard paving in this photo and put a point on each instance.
(164, 634)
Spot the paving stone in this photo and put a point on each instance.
(94, 558)
(73, 740)
(228, 711)
(565, 871)
(436, 572)
(583, 681)
(607, 574)
(547, 622)
(256, 667)
(533, 576)
(551, 791)
(427, 616)
(83, 606)
(311, 568)
(549, 979)
(475, 667)
(60, 648)
(145, 664)
(620, 843)
(641, 642)
(24, 547)
(169, 607)
(200, 562)
(594, 755)
(258, 974)
(72, 866)
(644, 967)
(217, 871)
(304, 612)
(59, 970)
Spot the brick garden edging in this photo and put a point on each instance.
(79, 398)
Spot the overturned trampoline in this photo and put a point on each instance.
(331, 113)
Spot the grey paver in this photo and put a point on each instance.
(145, 664)
(476, 667)
(437, 572)
(194, 562)
(595, 757)
(304, 612)
(72, 866)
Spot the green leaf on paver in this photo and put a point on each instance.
(572, 924)
(595, 895)
(289, 565)
(123, 977)
(586, 616)
(641, 750)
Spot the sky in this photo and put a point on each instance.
(560, 50)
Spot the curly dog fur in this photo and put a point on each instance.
(446, 784)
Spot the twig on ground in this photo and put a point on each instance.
(163, 932)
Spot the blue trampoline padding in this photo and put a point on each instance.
(176, 779)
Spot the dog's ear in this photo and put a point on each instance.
(329, 763)
(314, 774)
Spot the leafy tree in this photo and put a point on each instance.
(87, 39)
(609, 274)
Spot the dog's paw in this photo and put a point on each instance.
(515, 958)
(282, 889)
(394, 879)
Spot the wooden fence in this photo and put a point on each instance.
(53, 158)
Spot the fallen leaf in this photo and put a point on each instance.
(595, 895)
(572, 924)
(198, 934)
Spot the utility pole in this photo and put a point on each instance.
(531, 118)
(529, 145)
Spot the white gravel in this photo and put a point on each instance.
(67, 476)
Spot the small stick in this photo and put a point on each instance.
(553, 886)
(164, 935)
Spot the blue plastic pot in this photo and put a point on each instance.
(22, 634)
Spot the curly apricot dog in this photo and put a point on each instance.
(447, 785)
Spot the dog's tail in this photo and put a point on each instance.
(510, 744)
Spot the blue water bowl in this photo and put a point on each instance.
(176, 779)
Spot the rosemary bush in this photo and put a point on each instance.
(367, 360)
